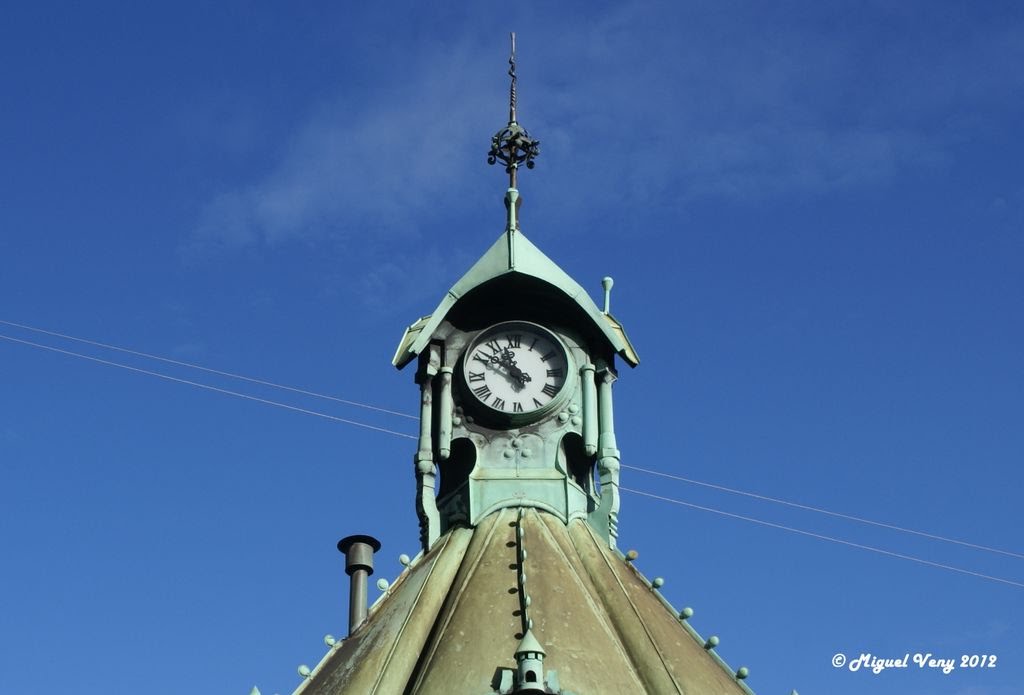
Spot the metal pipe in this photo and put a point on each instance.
(444, 415)
(358, 551)
(589, 389)
(425, 451)
(606, 284)
(606, 439)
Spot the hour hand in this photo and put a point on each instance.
(518, 374)
(505, 358)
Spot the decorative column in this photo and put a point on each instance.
(608, 455)
(444, 415)
(426, 476)
(589, 397)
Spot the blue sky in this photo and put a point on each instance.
(813, 212)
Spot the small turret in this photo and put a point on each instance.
(530, 665)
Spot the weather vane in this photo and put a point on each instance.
(512, 144)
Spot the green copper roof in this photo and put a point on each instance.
(510, 256)
(450, 620)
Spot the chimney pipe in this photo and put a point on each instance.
(358, 551)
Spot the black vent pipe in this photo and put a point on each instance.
(358, 551)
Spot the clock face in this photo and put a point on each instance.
(516, 368)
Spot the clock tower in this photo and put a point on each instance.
(519, 588)
(515, 368)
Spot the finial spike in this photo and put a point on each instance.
(512, 85)
(512, 144)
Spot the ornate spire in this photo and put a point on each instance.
(512, 82)
(512, 144)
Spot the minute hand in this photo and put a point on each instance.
(518, 374)
(507, 360)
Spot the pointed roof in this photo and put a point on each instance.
(513, 257)
(529, 645)
(450, 622)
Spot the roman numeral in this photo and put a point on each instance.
(555, 373)
(483, 392)
(514, 340)
(476, 376)
(537, 403)
(517, 407)
(550, 389)
(498, 403)
(493, 346)
(483, 358)
(548, 356)
(532, 344)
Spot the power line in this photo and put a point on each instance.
(819, 510)
(207, 387)
(409, 436)
(231, 375)
(827, 538)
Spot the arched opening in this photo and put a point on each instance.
(455, 471)
(578, 466)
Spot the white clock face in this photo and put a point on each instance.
(516, 368)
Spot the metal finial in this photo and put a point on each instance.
(512, 144)
(512, 85)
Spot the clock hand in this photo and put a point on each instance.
(518, 374)
(506, 358)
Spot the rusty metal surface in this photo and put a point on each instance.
(668, 657)
(455, 618)
(481, 628)
(570, 617)
(381, 656)
(475, 630)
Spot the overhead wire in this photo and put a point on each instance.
(819, 510)
(219, 372)
(404, 435)
(827, 538)
(207, 387)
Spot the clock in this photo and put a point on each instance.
(516, 369)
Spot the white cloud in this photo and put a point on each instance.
(362, 165)
(633, 107)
